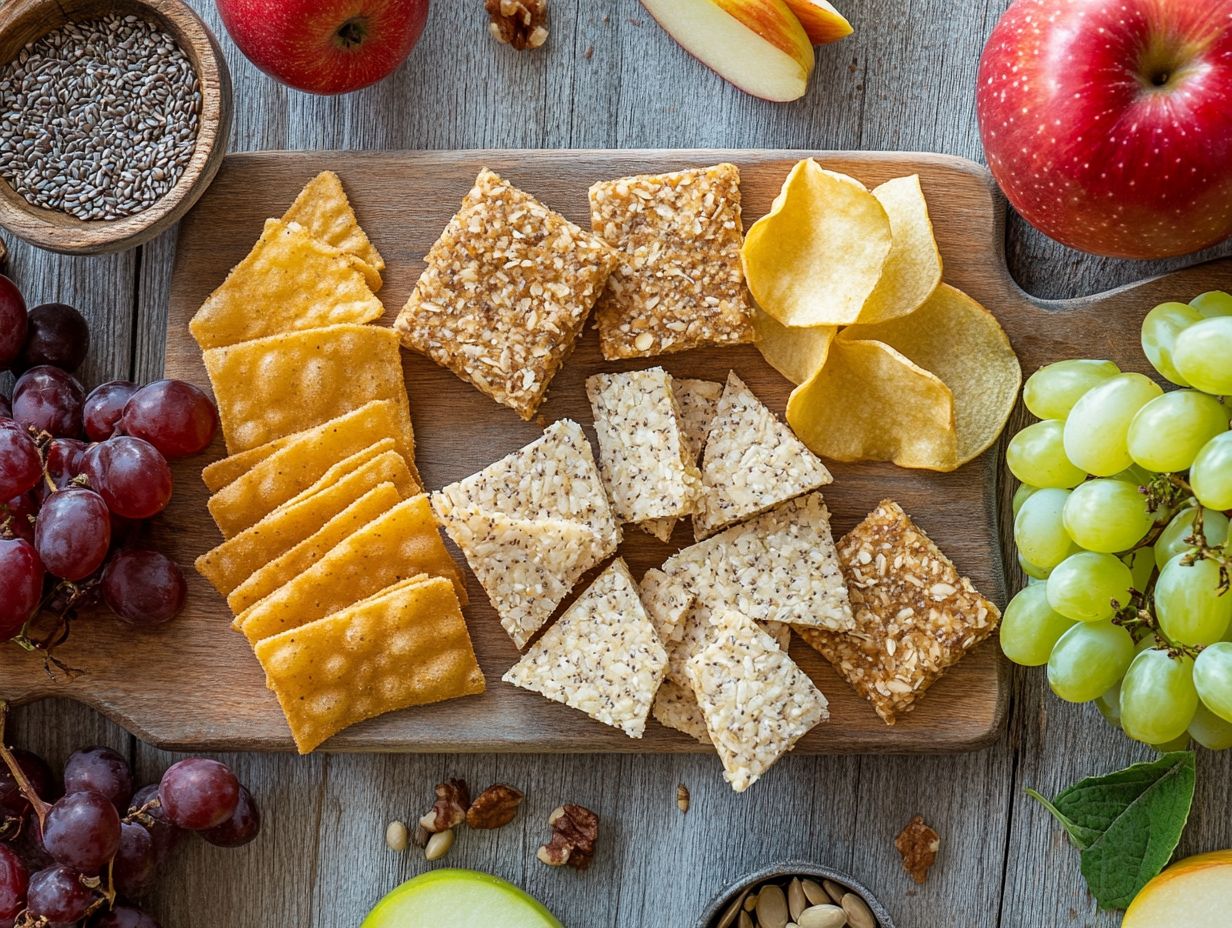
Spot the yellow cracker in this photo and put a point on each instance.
(402, 543)
(289, 281)
(275, 386)
(284, 569)
(218, 474)
(232, 562)
(323, 209)
(405, 648)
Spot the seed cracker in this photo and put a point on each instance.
(757, 703)
(915, 615)
(698, 401)
(680, 283)
(752, 462)
(505, 294)
(676, 707)
(696, 631)
(668, 601)
(645, 462)
(601, 657)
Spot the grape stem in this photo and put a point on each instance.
(1205, 551)
(23, 782)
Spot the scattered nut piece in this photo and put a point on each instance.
(495, 807)
(520, 23)
(453, 798)
(682, 799)
(439, 845)
(420, 836)
(575, 829)
(396, 836)
(918, 844)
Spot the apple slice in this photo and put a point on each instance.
(458, 899)
(1193, 892)
(822, 23)
(758, 45)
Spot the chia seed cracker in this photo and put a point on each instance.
(98, 118)
(676, 707)
(697, 400)
(667, 601)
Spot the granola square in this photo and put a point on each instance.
(506, 291)
(680, 283)
(915, 615)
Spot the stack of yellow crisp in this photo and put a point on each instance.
(331, 562)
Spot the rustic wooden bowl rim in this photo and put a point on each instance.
(59, 231)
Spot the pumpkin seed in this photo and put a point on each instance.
(771, 907)
(750, 902)
(745, 921)
(858, 913)
(796, 902)
(729, 914)
(834, 891)
(823, 916)
(814, 893)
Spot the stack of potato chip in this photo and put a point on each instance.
(332, 561)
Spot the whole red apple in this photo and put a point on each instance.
(1108, 123)
(325, 46)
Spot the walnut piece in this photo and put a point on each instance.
(520, 23)
(495, 807)
(453, 798)
(575, 829)
(918, 844)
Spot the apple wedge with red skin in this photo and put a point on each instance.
(1108, 123)
(822, 23)
(325, 46)
(758, 45)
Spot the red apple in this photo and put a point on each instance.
(1108, 123)
(325, 46)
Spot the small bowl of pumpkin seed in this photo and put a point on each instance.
(795, 894)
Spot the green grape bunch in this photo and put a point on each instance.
(1121, 525)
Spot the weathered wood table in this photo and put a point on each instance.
(610, 78)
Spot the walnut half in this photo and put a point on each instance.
(453, 798)
(575, 829)
(495, 807)
(520, 23)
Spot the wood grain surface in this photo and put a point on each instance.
(609, 78)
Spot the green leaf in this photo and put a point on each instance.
(1126, 824)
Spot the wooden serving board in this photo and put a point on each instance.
(195, 685)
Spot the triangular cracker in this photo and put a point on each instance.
(676, 707)
(697, 400)
(323, 208)
(668, 601)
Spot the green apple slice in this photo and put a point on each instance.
(458, 899)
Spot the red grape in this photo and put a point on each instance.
(73, 533)
(103, 408)
(243, 825)
(61, 463)
(49, 400)
(82, 830)
(12, 801)
(17, 516)
(144, 587)
(99, 770)
(58, 335)
(58, 896)
(143, 807)
(135, 865)
(197, 793)
(13, 324)
(125, 916)
(21, 576)
(6, 408)
(14, 879)
(130, 474)
(29, 844)
(175, 417)
(20, 465)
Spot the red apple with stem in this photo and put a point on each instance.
(1108, 123)
(325, 46)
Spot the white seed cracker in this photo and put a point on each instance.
(602, 656)
(698, 400)
(757, 703)
(676, 707)
(667, 601)
(752, 462)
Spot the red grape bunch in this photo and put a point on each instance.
(79, 474)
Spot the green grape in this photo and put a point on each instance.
(1106, 515)
(1095, 432)
(1029, 627)
(1035, 574)
(1179, 743)
(1052, 391)
(1021, 495)
(1039, 532)
(1141, 567)
(1171, 541)
(1202, 354)
(1209, 730)
(1169, 431)
(1036, 456)
(1088, 660)
(1138, 476)
(1213, 678)
(1084, 586)
(1188, 604)
(1211, 473)
(1160, 330)
(1158, 698)
(1213, 303)
(1109, 705)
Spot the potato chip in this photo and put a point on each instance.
(402, 543)
(815, 258)
(913, 268)
(870, 403)
(323, 209)
(232, 562)
(289, 281)
(960, 342)
(796, 352)
(407, 647)
(275, 386)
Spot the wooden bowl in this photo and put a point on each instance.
(23, 21)
(785, 870)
